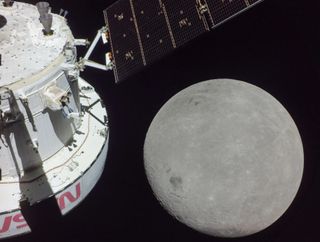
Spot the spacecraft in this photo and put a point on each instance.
(53, 124)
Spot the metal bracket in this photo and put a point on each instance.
(87, 110)
(9, 110)
(103, 34)
(204, 14)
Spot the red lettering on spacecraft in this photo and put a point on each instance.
(13, 222)
(6, 224)
(69, 196)
(21, 222)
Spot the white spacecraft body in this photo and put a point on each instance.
(53, 125)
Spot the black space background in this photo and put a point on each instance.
(275, 46)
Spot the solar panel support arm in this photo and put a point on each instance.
(81, 42)
(96, 65)
(99, 34)
(102, 33)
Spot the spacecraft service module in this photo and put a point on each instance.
(54, 131)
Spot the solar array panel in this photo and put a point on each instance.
(143, 31)
(184, 20)
(222, 10)
(124, 40)
(154, 33)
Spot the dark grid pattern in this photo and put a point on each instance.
(184, 20)
(162, 25)
(154, 33)
(224, 9)
(125, 44)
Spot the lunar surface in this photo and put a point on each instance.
(224, 157)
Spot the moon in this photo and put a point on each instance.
(224, 157)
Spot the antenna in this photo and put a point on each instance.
(43, 8)
(8, 3)
(46, 20)
(63, 12)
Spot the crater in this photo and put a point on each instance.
(176, 182)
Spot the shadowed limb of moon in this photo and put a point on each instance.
(224, 157)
